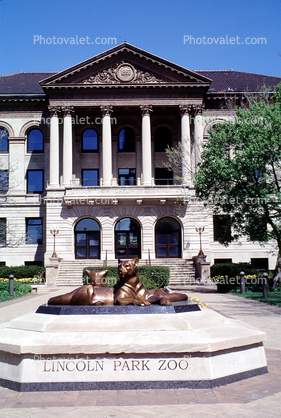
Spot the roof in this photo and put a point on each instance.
(237, 81)
(24, 83)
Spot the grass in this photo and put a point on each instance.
(20, 289)
(274, 298)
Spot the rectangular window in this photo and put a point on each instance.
(34, 231)
(3, 232)
(221, 225)
(127, 176)
(35, 181)
(90, 177)
(4, 181)
(258, 229)
(163, 177)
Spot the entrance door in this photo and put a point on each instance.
(87, 239)
(168, 238)
(127, 238)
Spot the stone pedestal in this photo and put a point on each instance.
(52, 270)
(203, 267)
(195, 349)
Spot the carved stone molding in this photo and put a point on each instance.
(67, 110)
(54, 110)
(192, 110)
(123, 73)
(146, 110)
(106, 110)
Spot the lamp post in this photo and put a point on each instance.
(200, 229)
(54, 231)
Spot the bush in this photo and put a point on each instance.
(20, 289)
(151, 277)
(21, 272)
(227, 277)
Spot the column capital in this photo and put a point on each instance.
(106, 110)
(191, 109)
(67, 110)
(54, 110)
(146, 110)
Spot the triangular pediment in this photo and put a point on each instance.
(125, 64)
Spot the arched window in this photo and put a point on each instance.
(4, 143)
(35, 141)
(168, 238)
(126, 140)
(127, 238)
(87, 239)
(90, 141)
(162, 139)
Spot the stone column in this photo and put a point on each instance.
(106, 145)
(67, 146)
(186, 145)
(198, 137)
(54, 148)
(146, 145)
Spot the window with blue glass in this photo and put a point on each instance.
(34, 231)
(35, 181)
(4, 181)
(126, 140)
(35, 141)
(4, 143)
(90, 141)
(90, 177)
(127, 176)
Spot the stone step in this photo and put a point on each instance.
(70, 272)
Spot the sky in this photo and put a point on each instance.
(53, 35)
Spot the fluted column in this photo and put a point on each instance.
(186, 144)
(67, 145)
(54, 148)
(198, 136)
(106, 145)
(146, 145)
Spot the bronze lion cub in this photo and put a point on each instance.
(129, 290)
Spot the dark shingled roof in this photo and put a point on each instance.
(223, 81)
(237, 81)
(22, 83)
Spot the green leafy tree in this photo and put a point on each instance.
(240, 173)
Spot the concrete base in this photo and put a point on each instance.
(79, 352)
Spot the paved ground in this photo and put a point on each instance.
(257, 397)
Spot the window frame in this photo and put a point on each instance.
(4, 151)
(36, 151)
(90, 169)
(156, 143)
(122, 150)
(27, 182)
(82, 141)
(127, 179)
(26, 231)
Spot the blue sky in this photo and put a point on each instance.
(157, 26)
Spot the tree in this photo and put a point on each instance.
(240, 173)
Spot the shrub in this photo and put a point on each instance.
(151, 277)
(21, 272)
(20, 289)
(227, 277)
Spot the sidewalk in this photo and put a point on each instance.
(258, 397)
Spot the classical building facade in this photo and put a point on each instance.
(82, 152)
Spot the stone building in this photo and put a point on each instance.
(82, 151)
